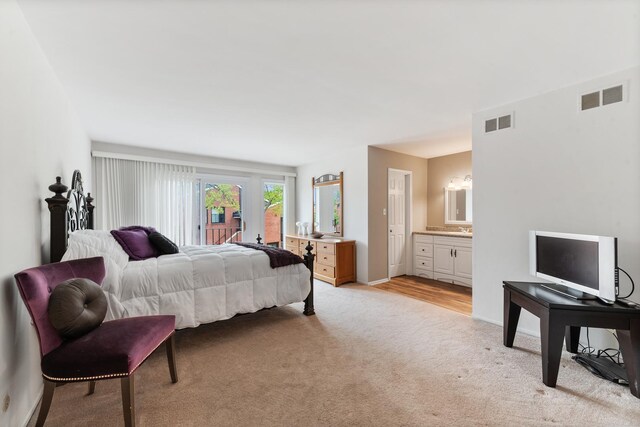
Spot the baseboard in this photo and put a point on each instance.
(33, 409)
(494, 322)
(378, 282)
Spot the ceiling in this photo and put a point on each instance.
(292, 82)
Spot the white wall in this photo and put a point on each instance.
(353, 162)
(40, 137)
(559, 169)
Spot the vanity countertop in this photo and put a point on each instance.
(446, 233)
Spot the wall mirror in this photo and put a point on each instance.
(327, 204)
(457, 206)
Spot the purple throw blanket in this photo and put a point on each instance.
(277, 257)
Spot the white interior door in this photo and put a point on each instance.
(397, 226)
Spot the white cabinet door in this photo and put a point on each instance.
(443, 259)
(462, 261)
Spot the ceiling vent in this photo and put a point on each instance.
(498, 123)
(602, 97)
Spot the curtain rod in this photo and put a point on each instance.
(217, 166)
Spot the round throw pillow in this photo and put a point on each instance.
(76, 307)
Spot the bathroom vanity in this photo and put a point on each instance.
(443, 256)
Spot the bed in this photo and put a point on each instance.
(200, 284)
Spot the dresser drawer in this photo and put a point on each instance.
(302, 247)
(327, 248)
(325, 270)
(424, 249)
(326, 259)
(424, 263)
(291, 241)
(293, 249)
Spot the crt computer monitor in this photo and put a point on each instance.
(580, 262)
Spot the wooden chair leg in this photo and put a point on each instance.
(171, 357)
(92, 388)
(128, 401)
(47, 397)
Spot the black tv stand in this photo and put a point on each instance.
(561, 319)
(568, 292)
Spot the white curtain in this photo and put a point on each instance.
(132, 192)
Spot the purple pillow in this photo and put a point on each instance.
(135, 243)
(147, 230)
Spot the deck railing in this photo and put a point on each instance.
(218, 236)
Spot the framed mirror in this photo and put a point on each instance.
(457, 206)
(327, 204)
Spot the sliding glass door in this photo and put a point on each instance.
(221, 209)
(238, 209)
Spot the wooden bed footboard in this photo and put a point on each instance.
(309, 258)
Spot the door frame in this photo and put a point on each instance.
(408, 220)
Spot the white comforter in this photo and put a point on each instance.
(201, 284)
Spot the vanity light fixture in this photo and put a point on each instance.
(468, 182)
(451, 185)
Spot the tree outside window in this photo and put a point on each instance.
(273, 195)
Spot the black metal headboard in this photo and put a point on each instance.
(68, 213)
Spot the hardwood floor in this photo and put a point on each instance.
(452, 297)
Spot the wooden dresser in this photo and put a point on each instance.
(335, 260)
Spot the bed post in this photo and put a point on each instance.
(308, 260)
(90, 208)
(259, 239)
(58, 208)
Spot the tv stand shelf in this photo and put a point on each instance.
(561, 319)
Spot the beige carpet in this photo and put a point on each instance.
(369, 358)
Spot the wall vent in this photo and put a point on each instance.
(602, 97)
(498, 123)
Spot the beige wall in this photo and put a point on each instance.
(379, 162)
(441, 170)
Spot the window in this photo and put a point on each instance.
(273, 195)
(217, 216)
(221, 204)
